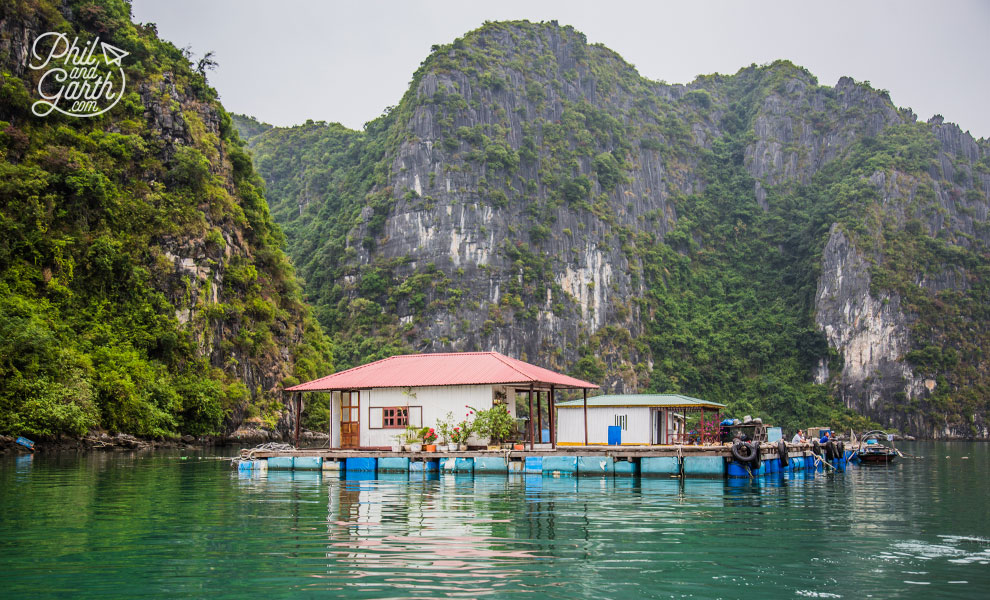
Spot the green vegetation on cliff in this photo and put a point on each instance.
(143, 286)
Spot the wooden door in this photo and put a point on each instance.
(350, 419)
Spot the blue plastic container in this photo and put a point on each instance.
(704, 466)
(545, 436)
(393, 464)
(737, 469)
(561, 465)
(596, 465)
(659, 466)
(280, 463)
(464, 465)
(490, 464)
(534, 464)
(424, 466)
(307, 463)
(363, 465)
(614, 435)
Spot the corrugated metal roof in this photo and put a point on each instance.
(459, 368)
(660, 400)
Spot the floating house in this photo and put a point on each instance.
(372, 403)
(636, 419)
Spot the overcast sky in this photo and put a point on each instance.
(286, 61)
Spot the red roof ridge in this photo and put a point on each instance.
(357, 368)
(505, 360)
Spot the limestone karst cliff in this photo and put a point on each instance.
(757, 238)
(143, 286)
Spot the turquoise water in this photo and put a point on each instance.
(155, 525)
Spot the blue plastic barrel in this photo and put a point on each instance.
(534, 465)
(425, 465)
(737, 469)
(360, 464)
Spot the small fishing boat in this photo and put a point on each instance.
(872, 451)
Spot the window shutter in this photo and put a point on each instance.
(374, 417)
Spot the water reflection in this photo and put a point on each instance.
(379, 529)
(127, 525)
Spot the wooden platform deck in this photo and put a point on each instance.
(620, 452)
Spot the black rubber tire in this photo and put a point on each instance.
(830, 450)
(841, 449)
(757, 458)
(742, 451)
(782, 452)
(816, 448)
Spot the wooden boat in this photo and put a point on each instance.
(872, 451)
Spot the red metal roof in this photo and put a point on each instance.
(460, 368)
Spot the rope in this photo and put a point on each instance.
(248, 453)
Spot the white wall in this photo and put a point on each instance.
(436, 401)
(570, 424)
(335, 420)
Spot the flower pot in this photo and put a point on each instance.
(406, 447)
(518, 447)
(462, 447)
(396, 447)
(415, 447)
(431, 447)
(451, 447)
(494, 447)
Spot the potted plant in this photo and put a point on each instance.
(494, 423)
(414, 439)
(461, 434)
(397, 440)
(445, 428)
(430, 440)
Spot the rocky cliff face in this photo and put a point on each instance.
(870, 331)
(152, 252)
(533, 195)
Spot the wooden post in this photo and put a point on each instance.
(531, 438)
(553, 429)
(330, 425)
(585, 416)
(539, 415)
(298, 415)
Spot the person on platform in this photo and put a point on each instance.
(798, 437)
(825, 438)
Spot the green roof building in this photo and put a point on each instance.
(638, 419)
